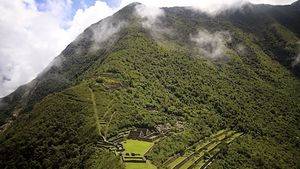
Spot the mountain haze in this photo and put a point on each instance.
(141, 67)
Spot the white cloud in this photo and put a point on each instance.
(211, 45)
(151, 20)
(29, 41)
(149, 14)
(205, 2)
(105, 31)
(30, 38)
(84, 18)
(273, 2)
(204, 5)
(296, 61)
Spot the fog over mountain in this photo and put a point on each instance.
(44, 28)
(158, 84)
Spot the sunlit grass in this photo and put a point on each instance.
(146, 165)
(136, 146)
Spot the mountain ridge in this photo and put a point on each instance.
(149, 78)
(88, 34)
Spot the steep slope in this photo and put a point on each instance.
(276, 29)
(65, 68)
(139, 77)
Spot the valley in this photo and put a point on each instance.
(190, 91)
(130, 147)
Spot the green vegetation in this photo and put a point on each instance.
(135, 149)
(66, 122)
(136, 146)
(140, 82)
(103, 159)
(204, 151)
(146, 165)
(176, 162)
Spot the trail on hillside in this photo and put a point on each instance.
(107, 125)
(95, 110)
(108, 109)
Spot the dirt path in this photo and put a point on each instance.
(108, 109)
(107, 125)
(95, 110)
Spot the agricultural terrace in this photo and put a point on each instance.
(205, 151)
(133, 154)
(132, 165)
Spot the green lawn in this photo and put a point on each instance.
(136, 146)
(146, 165)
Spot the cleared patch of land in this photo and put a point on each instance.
(96, 114)
(133, 155)
(146, 165)
(136, 146)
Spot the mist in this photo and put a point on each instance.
(105, 31)
(30, 44)
(209, 6)
(150, 15)
(2, 104)
(211, 45)
(296, 61)
(151, 20)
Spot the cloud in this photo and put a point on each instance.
(30, 38)
(151, 20)
(105, 31)
(273, 2)
(85, 17)
(210, 6)
(211, 45)
(29, 41)
(296, 61)
(171, 3)
(149, 14)
(32, 34)
(297, 58)
(2, 104)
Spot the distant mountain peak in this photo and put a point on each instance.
(134, 4)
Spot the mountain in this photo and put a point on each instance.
(237, 70)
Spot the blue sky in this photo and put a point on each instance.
(31, 38)
(79, 4)
(83, 4)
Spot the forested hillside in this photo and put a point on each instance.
(236, 70)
